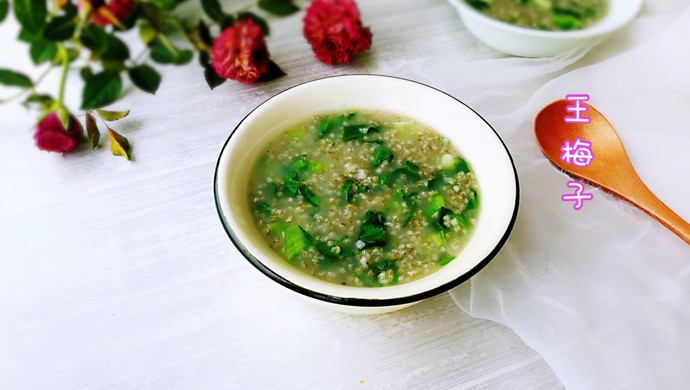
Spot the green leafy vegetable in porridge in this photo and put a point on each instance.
(544, 14)
(364, 199)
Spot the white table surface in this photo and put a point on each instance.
(117, 274)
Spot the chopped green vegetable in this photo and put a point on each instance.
(436, 182)
(347, 185)
(434, 205)
(461, 165)
(409, 170)
(328, 125)
(373, 229)
(439, 238)
(315, 167)
(358, 131)
(264, 207)
(445, 259)
(473, 202)
(382, 154)
(295, 242)
(385, 270)
(277, 227)
(291, 185)
(309, 195)
(566, 22)
(411, 205)
(337, 251)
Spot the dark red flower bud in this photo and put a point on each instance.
(51, 135)
(334, 30)
(240, 52)
(105, 12)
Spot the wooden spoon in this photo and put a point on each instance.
(610, 168)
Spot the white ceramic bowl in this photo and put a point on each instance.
(526, 42)
(473, 137)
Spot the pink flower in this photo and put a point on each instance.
(240, 52)
(334, 30)
(51, 136)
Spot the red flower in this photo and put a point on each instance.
(334, 30)
(51, 135)
(105, 12)
(240, 52)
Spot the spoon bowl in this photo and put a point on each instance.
(610, 168)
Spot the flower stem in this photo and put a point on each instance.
(63, 76)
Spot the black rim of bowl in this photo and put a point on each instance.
(364, 302)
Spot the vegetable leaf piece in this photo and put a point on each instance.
(119, 145)
(31, 14)
(373, 229)
(358, 131)
(442, 213)
(309, 195)
(278, 7)
(436, 182)
(295, 242)
(337, 251)
(145, 78)
(101, 90)
(290, 185)
(411, 205)
(409, 170)
(461, 165)
(347, 185)
(264, 208)
(327, 125)
(473, 203)
(14, 79)
(383, 266)
(383, 154)
(445, 259)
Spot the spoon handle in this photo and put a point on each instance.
(642, 197)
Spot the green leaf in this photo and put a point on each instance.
(436, 182)
(373, 229)
(309, 195)
(15, 79)
(86, 73)
(95, 39)
(165, 5)
(119, 145)
(213, 9)
(358, 131)
(31, 14)
(382, 154)
(147, 33)
(278, 7)
(145, 78)
(60, 28)
(211, 77)
(273, 72)
(117, 50)
(337, 251)
(163, 55)
(261, 22)
(381, 268)
(101, 90)
(204, 33)
(295, 242)
(4, 8)
(44, 100)
(92, 130)
(409, 170)
(112, 115)
(153, 15)
(43, 50)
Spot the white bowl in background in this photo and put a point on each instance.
(471, 135)
(528, 42)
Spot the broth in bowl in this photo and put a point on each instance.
(364, 199)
